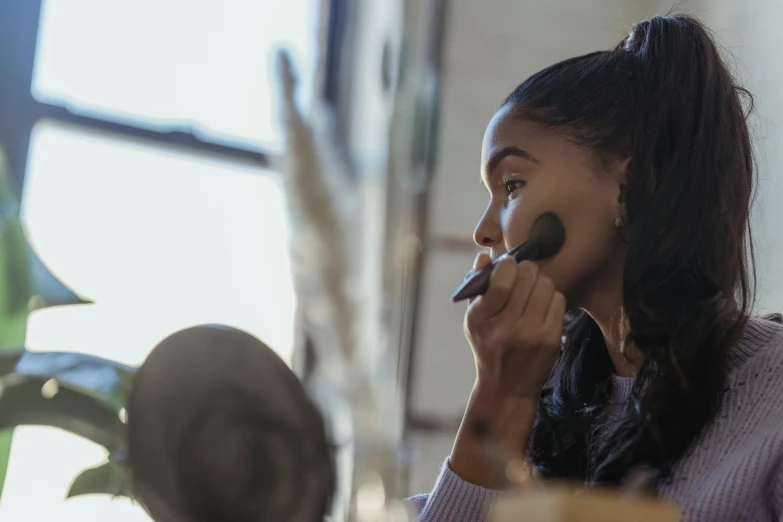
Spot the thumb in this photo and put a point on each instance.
(482, 260)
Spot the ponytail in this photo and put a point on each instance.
(665, 98)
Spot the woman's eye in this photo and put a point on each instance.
(512, 185)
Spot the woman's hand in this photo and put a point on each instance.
(515, 332)
(515, 329)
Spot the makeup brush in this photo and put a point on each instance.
(546, 238)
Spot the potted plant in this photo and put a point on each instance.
(75, 392)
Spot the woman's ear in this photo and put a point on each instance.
(620, 173)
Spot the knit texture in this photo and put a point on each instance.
(733, 472)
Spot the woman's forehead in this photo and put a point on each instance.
(496, 127)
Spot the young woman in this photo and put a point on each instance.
(643, 151)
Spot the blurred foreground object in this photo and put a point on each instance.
(320, 202)
(219, 428)
(358, 165)
(78, 393)
(525, 498)
(561, 504)
(26, 285)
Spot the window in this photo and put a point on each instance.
(147, 190)
(172, 64)
(158, 238)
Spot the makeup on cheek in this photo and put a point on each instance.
(546, 240)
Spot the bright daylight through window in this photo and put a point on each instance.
(159, 237)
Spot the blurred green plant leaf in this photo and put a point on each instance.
(110, 478)
(25, 279)
(106, 381)
(46, 289)
(28, 403)
(15, 277)
(27, 283)
(6, 437)
(78, 393)
(75, 392)
(15, 286)
(86, 402)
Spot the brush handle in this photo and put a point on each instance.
(474, 285)
(478, 283)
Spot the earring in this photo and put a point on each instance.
(619, 222)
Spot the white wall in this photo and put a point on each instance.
(491, 47)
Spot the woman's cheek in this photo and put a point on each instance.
(516, 222)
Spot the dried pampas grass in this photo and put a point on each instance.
(320, 200)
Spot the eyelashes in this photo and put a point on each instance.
(512, 185)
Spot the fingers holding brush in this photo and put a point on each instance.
(526, 281)
(537, 307)
(501, 285)
(482, 259)
(514, 330)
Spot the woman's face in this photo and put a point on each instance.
(528, 171)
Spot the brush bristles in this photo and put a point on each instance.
(549, 233)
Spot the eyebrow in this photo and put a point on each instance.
(511, 150)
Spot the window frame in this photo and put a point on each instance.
(20, 111)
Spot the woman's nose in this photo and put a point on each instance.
(487, 233)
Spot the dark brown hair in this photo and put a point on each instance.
(665, 98)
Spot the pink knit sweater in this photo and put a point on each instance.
(734, 472)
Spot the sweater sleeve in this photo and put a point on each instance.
(453, 500)
(776, 493)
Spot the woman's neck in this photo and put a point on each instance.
(626, 358)
(605, 306)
